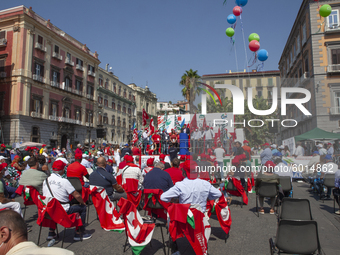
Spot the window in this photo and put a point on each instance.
(124, 94)
(37, 105)
(79, 62)
(304, 33)
(100, 82)
(119, 90)
(56, 49)
(118, 120)
(130, 96)
(270, 81)
(147, 107)
(291, 58)
(35, 135)
(113, 106)
(259, 93)
(100, 100)
(79, 86)
(54, 109)
(233, 82)
(134, 98)
(298, 44)
(105, 119)
(124, 109)
(55, 77)
(77, 114)
(114, 87)
(2, 35)
(113, 121)
(90, 68)
(89, 117)
(259, 83)
(119, 108)
(107, 84)
(124, 123)
(335, 56)
(333, 19)
(90, 90)
(2, 65)
(68, 83)
(306, 65)
(112, 135)
(39, 69)
(129, 111)
(67, 113)
(106, 103)
(337, 100)
(100, 119)
(40, 40)
(68, 56)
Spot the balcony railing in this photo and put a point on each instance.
(79, 67)
(332, 28)
(54, 118)
(64, 119)
(88, 124)
(40, 47)
(334, 110)
(88, 96)
(333, 68)
(37, 115)
(69, 62)
(55, 84)
(38, 78)
(3, 74)
(3, 42)
(91, 73)
(57, 56)
(78, 92)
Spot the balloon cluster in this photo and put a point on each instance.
(254, 39)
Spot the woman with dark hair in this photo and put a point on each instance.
(14, 172)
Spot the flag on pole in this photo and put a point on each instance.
(193, 123)
(183, 122)
(217, 137)
(177, 125)
(151, 128)
(144, 117)
(135, 136)
(204, 124)
(138, 233)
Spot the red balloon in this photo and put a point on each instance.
(237, 10)
(254, 45)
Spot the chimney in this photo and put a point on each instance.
(107, 67)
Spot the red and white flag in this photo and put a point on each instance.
(144, 117)
(107, 213)
(220, 207)
(138, 233)
(151, 128)
(135, 136)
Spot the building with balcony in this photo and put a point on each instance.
(47, 82)
(117, 107)
(147, 100)
(262, 83)
(167, 107)
(311, 60)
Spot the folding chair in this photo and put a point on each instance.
(266, 189)
(79, 188)
(329, 183)
(231, 190)
(27, 201)
(295, 209)
(286, 184)
(133, 194)
(296, 237)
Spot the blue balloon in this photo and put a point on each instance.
(231, 19)
(262, 55)
(241, 2)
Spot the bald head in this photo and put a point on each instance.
(101, 162)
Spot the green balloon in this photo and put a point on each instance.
(230, 32)
(325, 10)
(253, 37)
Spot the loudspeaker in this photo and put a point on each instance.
(273, 129)
(101, 133)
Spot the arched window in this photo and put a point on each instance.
(67, 113)
(68, 83)
(107, 84)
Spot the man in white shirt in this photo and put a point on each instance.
(219, 153)
(60, 189)
(208, 137)
(61, 157)
(322, 150)
(145, 137)
(196, 136)
(299, 151)
(131, 170)
(330, 149)
(85, 162)
(45, 154)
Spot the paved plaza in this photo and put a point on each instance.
(248, 235)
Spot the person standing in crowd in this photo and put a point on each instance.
(208, 134)
(274, 150)
(100, 177)
(78, 170)
(246, 147)
(156, 139)
(157, 178)
(108, 166)
(239, 150)
(330, 149)
(126, 151)
(62, 158)
(145, 137)
(255, 150)
(299, 151)
(131, 170)
(165, 142)
(116, 154)
(135, 150)
(149, 166)
(266, 154)
(336, 190)
(184, 129)
(60, 188)
(286, 152)
(79, 149)
(174, 172)
(173, 151)
(162, 159)
(14, 240)
(85, 161)
(196, 136)
(173, 138)
(219, 154)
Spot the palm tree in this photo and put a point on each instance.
(188, 80)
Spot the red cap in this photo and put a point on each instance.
(269, 163)
(161, 157)
(3, 145)
(211, 127)
(78, 156)
(245, 141)
(28, 148)
(266, 144)
(110, 160)
(327, 143)
(93, 146)
(182, 158)
(16, 156)
(150, 161)
(58, 165)
(187, 166)
(53, 149)
(128, 158)
(44, 145)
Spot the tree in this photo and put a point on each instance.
(190, 91)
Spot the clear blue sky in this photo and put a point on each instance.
(155, 41)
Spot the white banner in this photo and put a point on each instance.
(290, 142)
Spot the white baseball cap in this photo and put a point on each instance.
(2, 157)
(273, 145)
(99, 153)
(27, 158)
(60, 154)
(85, 155)
(281, 147)
(320, 145)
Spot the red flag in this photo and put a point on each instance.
(204, 124)
(217, 137)
(151, 128)
(144, 117)
(240, 192)
(193, 123)
(135, 136)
